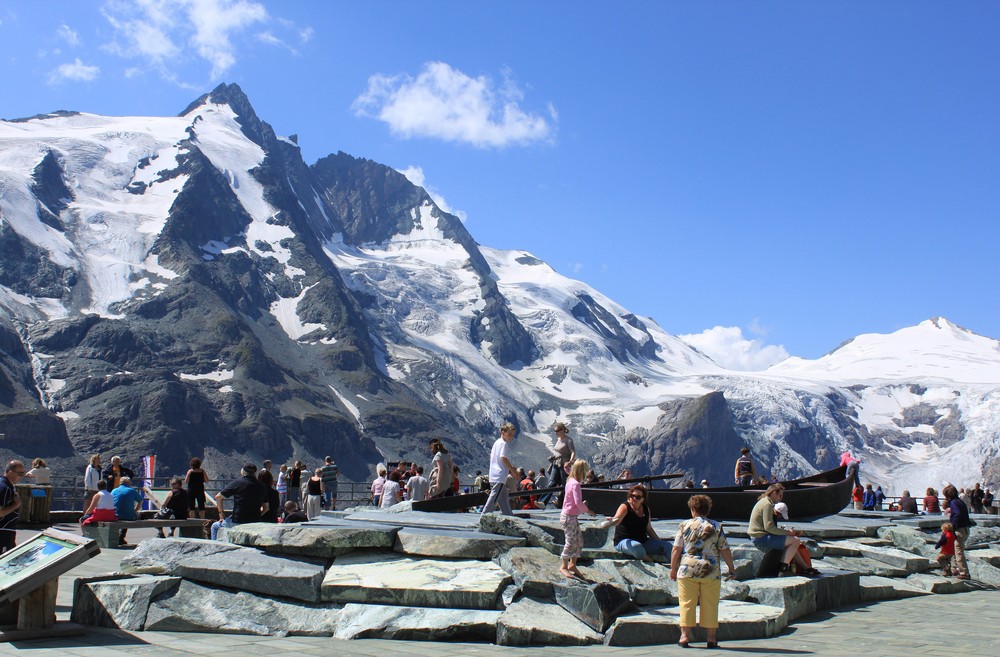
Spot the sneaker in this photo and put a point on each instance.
(963, 576)
(785, 570)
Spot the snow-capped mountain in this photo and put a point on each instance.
(189, 286)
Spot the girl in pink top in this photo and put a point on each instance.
(573, 506)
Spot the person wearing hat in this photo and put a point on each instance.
(704, 483)
(249, 500)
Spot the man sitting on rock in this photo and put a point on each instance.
(249, 500)
(292, 513)
(127, 501)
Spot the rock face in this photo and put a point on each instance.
(120, 603)
(387, 578)
(597, 604)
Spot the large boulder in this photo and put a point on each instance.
(195, 608)
(836, 588)
(360, 621)
(864, 566)
(530, 622)
(646, 583)
(496, 523)
(892, 556)
(596, 604)
(536, 571)
(910, 539)
(935, 584)
(393, 579)
(796, 595)
(454, 544)
(875, 589)
(121, 602)
(317, 541)
(232, 566)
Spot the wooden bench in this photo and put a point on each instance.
(106, 533)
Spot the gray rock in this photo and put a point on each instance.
(454, 544)
(990, 555)
(910, 539)
(309, 540)
(530, 622)
(359, 621)
(981, 571)
(160, 557)
(839, 549)
(495, 523)
(121, 602)
(744, 569)
(646, 583)
(864, 566)
(596, 604)
(796, 595)
(194, 608)
(233, 566)
(836, 588)
(934, 584)
(737, 621)
(593, 536)
(393, 579)
(892, 556)
(874, 589)
(536, 571)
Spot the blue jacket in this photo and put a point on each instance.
(868, 501)
(959, 516)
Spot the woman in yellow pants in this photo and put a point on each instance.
(694, 563)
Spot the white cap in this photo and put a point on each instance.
(781, 508)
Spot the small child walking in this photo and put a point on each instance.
(573, 506)
(947, 546)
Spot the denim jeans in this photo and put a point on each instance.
(216, 526)
(639, 550)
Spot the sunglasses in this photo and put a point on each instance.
(637, 497)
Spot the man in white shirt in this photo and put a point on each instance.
(500, 467)
(417, 485)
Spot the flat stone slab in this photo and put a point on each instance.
(874, 589)
(863, 566)
(233, 566)
(990, 555)
(495, 523)
(648, 584)
(911, 539)
(529, 622)
(453, 544)
(981, 571)
(796, 595)
(394, 579)
(536, 571)
(835, 587)
(593, 536)
(195, 608)
(359, 621)
(310, 540)
(892, 556)
(120, 602)
(839, 549)
(737, 621)
(935, 584)
(411, 519)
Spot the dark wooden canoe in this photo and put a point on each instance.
(815, 496)
(470, 500)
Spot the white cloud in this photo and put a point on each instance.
(727, 346)
(416, 176)
(445, 103)
(67, 34)
(166, 33)
(77, 71)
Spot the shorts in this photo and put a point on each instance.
(769, 542)
(197, 500)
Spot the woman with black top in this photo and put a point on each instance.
(314, 494)
(634, 533)
(195, 480)
(295, 482)
(273, 503)
(175, 506)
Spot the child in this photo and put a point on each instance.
(573, 506)
(947, 545)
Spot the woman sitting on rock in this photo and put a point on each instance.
(634, 533)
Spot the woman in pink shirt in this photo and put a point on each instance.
(573, 506)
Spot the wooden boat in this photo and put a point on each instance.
(818, 495)
(822, 494)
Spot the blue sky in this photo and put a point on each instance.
(773, 177)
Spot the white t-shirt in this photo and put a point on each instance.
(416, 487)
(104, 500)
(498, 470)
(41, 476)
(390, 494)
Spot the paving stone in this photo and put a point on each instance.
(893, 557)
(361, 621)
(874, 589)
(596, 604)
(394, 579)
(454, 544)
(232, 566)
(121, 602)
(737, 621)
(195, 608)
(530, 622)
(536, 571)
(310, 540)
(796, 595)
